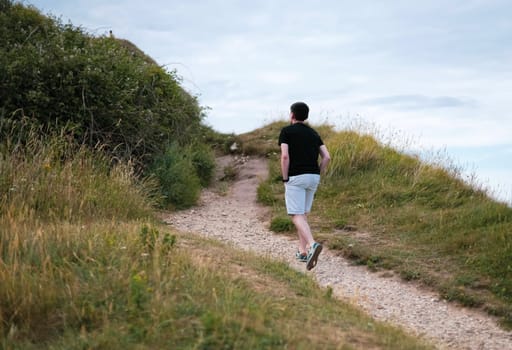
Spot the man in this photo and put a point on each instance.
(300, 148)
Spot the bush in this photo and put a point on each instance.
(265, 193)
(281, 224)
(179, 184)
(203, 161)
(107, 88)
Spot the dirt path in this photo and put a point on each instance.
(237, 219)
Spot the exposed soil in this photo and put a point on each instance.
(236, 218)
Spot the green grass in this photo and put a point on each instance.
(84, 264)
(422, 220)
(281, 224)
(52, 179)
(109, 286)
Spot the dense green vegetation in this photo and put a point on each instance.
(390, 210)
(108, 91)
(106, 94)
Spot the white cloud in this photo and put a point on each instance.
(416, 102)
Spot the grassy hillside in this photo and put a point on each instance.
(84, 264)
(390, 210)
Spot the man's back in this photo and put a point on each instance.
(303, 147)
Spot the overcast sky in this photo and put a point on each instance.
(436, 72)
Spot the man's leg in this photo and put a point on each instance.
(306, 241)
(305, 237)
(302, 244)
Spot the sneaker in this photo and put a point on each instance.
(302, 257)
(313, 254)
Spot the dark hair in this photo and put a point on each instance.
(300, 111)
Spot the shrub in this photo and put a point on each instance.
(281, 224)
(107, 88)
(179, 184)
(203, 161)
(265, 193)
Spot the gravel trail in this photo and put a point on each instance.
(237, 219)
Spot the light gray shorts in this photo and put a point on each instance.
(299, 193)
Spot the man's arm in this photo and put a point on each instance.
(326, 158)
(285, 161)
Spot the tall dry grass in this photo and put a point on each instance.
(61, 213)
(423, 219)
(54, 179)
(84, 265)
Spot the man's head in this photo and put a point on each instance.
(300, 111)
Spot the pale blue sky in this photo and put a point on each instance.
(438, 72)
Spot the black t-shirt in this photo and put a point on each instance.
(303, 148)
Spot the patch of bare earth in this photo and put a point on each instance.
(236, 218)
